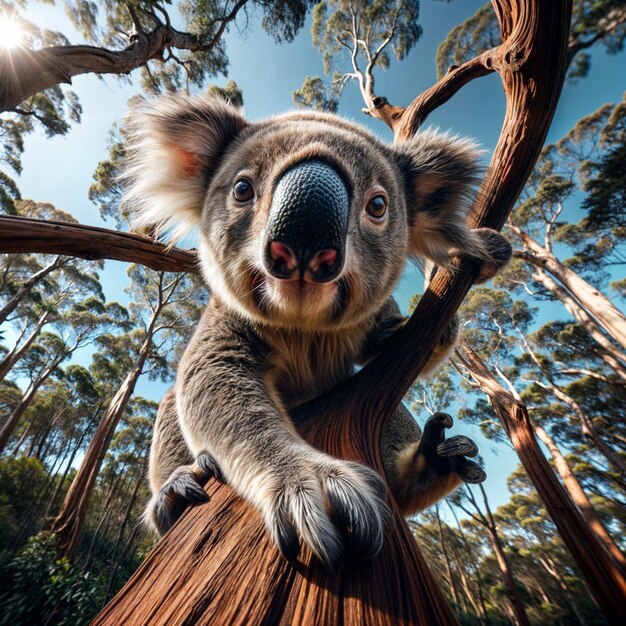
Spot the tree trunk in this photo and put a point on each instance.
(607, 314)
(11, 358)
(553, 570)
(589, 430)
(579, 497)
(13, 419)
(27, 287)
(609, 353)
(604, 577)
(503, 563)
(469, 593)
(133, 497)
(68, 467)
(479, 582)
(69, 521)
(442, 544)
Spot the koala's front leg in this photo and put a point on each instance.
(227, 408)
(423, 472)
(389, 320)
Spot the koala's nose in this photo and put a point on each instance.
(308, 223)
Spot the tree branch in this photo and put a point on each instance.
(24, 72)
(24, 234)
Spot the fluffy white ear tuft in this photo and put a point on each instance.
(175, 143)
(441, 172)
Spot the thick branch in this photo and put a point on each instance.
(25, 234)
(23, 72)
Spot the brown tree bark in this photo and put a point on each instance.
(604, 577)
(575, 490)
(25, 234)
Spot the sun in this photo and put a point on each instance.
(11, 33)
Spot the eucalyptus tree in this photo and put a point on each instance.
(527, 526)
(601, 22)
(164, 308)
(497, 330)
(77, 326)
(171, 46)
(468, 502)
(588, 158)
(356, 37)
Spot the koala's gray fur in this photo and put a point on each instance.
(264, 345)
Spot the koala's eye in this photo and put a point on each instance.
(243, 190)
(377, 207)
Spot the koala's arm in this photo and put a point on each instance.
(389, 320)
(227, 410)
(422, 466)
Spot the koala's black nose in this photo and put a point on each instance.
(308, 223)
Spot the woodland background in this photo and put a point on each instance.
(77, 350)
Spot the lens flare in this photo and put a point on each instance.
(11, 33)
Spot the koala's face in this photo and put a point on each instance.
(306, 220)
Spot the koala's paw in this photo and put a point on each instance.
(329, 505)
(498, 250)
(449, 455)
(182, 489)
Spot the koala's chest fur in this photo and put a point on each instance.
(303, 365)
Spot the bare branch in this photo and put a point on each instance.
(23, 234)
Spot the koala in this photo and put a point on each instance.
(306, 221)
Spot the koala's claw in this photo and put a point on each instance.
(448, 455)
(457, 446)
(468, 471)
(209, 466)
(178, 492)
(344, 505)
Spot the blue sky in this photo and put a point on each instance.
(59, 170)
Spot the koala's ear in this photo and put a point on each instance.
(441, 172)
(174, 145)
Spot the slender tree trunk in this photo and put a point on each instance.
(68, 467)
(603, 576)
(579, 497)
(27, 287)
(13, 419)
(69, 521)
(479, 582)
(18, 351)
(120, 534)
(610, 354)
(105, 516)
(588, 429)
(467, 588)
(607, 314)
(553, 570)
(442, 544)
(503, 563)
